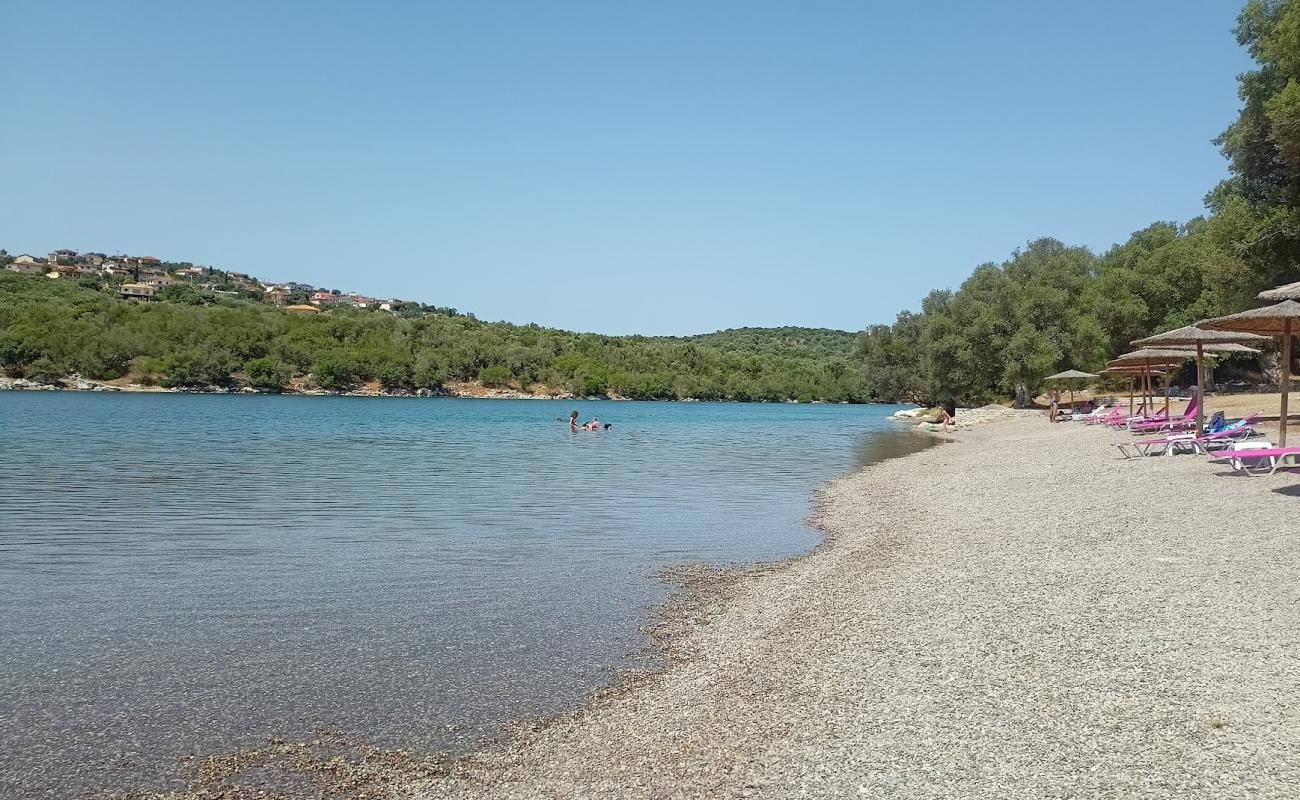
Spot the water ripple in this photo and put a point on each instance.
(188, 574)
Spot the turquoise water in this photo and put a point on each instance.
(190, 574)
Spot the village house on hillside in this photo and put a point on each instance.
(71, 271)
(143, 276)
(156, 278)
(62, 257)
(28, 265)
(136, 291)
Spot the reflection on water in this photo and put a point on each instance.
(188, 574)
(877, 445)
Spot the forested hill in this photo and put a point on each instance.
(1051, 307)
(792, 341)
(51, 329)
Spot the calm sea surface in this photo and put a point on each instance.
(191, 574)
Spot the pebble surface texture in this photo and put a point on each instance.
(1018, 613)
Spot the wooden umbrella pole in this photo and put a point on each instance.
(1286, 381)
(1166, 393)
(1130, 396)
(1200, 388)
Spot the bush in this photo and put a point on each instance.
(395, 375)
(198, 367)
(430, 372)
(267, 373)
(184, 294)
(335, 372)
(15, 354)
(147, 370)
(44, 370)
(495, 375)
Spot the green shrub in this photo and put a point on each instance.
(495, 375)
(335, 372)
(267, 373)
(44, 370)
(198, 367)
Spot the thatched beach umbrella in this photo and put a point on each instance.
(1281, 320)
(1154, 359)
(1202, 340)
(1139, 378)
(1132, 373)
(1291, 291)
(1068, 379)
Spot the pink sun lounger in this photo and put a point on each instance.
(1175, 443)
(1187, 420)
(1264, 461)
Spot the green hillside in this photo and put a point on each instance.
(50, 329)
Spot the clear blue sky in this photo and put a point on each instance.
(663, 168)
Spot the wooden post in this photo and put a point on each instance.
(1131, 381)
(1166, 393)
(1200, 388)
(1286, 381)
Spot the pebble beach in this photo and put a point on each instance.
(1015, 613)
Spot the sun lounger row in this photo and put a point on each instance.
(1233, 444)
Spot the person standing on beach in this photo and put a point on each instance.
(1056, 402)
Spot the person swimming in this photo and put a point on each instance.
(573, 421)
(594, 425)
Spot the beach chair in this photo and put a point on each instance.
(1159, 416)
(1206, 444)
(1091, 416)
(1163, 446)
(1114, 415)
(1185, 422)
(1258, 461)
(1123, 420)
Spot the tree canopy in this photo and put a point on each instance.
(1050, 307)
(53, 328)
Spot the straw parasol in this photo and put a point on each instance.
(1133, 373)
(1281, 320)
(1291, 291)
(1202, 340)
(1153, 359)
(1069, 378)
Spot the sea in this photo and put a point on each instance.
(187, 575)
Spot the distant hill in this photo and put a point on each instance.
(793, 341)
(191, 337)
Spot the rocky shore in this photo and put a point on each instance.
(76, 383)
(1015, 614)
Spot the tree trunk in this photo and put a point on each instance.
(1022, 395)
